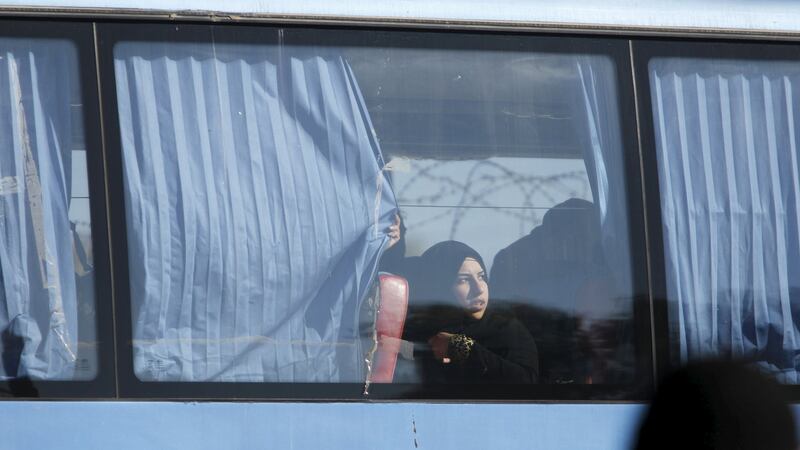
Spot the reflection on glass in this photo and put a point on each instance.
(519, 156)
(46, 268)
(471, 199)
(263, 182)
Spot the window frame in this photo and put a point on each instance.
(110, 33)
(643, 51)
(104, 385)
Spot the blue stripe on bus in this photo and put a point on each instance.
(167, 425)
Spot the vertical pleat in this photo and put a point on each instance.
(185, 214)
(690, 219)
(779, 217)
(793, 209)
(156, 220)
(269, 180)
(260, 257)
(602, 156)
(601, 178)
(756, 209)
(729, 196)
(269, 116)
(736, 213)
(8, 309)
(668, 212)
(208, 254)
(713, 213)
(24, 272)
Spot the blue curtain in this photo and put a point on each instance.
(726, 137)
(605, 166)
(255, 208)
(38, 301)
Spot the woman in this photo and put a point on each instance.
(458, 337)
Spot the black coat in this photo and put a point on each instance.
(503, 352)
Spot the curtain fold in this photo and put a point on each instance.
(255, 208)
(38, 299)
(727, 154)
(603, 155)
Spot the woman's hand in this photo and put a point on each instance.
(393, 232)
(439, 344)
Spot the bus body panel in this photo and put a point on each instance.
(205, 425)
(741, 16)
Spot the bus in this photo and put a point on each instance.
(436, 224)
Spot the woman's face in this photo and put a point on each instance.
(471, 289)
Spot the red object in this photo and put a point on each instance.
(391, 319)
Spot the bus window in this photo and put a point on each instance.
(47, 295)
(727, 163)
(255, 210)
(263, 167)
(518, 155)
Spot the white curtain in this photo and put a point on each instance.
(726, 137)
(255, 210)
(38, 304)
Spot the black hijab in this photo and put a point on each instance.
(440, 265)
(504, 351)
(432, 305)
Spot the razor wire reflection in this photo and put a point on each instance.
(504, 191)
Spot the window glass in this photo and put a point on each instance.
(727, 159)
(518, 156)
(255, 209)
(46, 267)
(266, 185)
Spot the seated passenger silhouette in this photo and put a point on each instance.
(458, 337)
(557, 283)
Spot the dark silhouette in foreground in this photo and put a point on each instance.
(718, 405)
